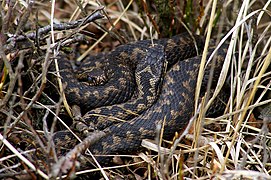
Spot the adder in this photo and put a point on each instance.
(132, 73)
(155, 80)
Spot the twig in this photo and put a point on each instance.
(7, 18)
(24, 17)
(36, 96)
(19, 155)
(104, 35)
(67, 162)
(12, 76)
(61, 26)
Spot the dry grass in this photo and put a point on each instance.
(232, 146)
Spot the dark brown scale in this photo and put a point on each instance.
(89, 97)
(148, 82)
(93, 76)
(175, 106)
(174, 103)
(121, 64)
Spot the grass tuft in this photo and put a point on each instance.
(232, 146)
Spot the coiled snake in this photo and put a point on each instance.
(150, 83)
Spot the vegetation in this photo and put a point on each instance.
(235, 145)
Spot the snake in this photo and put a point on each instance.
(131, 73)
(146, 83)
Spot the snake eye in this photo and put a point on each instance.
(92, 81)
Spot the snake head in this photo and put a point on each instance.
(93, 76)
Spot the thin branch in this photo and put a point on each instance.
(68, 161)
(59, 27)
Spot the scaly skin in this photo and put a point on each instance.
(173, 102)
(175, 106)
(149, 59)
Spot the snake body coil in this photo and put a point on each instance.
(174, 107)
(134, 69)
(157, 76)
